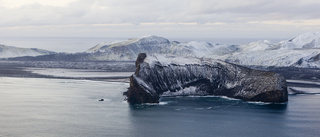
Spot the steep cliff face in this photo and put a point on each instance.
(138, 91)
(174, 76)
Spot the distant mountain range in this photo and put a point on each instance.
(11, 51)
(301, 51)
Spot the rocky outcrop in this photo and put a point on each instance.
(173, 76)
(137, 92)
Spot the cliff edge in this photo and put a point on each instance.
(158, 76)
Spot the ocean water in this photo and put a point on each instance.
(31, 107)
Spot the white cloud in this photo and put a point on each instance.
(20, 3)
(158, 16)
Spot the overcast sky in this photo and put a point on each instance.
(167, 18)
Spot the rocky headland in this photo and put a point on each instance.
(158, 76)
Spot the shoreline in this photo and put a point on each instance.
(96, 70)
(18, 71)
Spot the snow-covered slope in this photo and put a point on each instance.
(257, 46)
(304, 41)
(280, 58)
(299, 51)
(129, 49)
(10, 51)
(311, 61)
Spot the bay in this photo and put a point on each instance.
(66, 107)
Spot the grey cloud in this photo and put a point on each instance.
(141, 11)
(95, 12)
(260, 10)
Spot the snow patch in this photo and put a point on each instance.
(144, 85)
(183, 92)
(11, 51)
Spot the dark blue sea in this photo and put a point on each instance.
(40, 107)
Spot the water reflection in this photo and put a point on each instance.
(203, 116)
(56, 107)
(208, 103)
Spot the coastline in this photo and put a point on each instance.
(17, 70)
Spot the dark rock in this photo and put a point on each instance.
(150, 82)
(140, 59)
(101, 99)
(315, 58)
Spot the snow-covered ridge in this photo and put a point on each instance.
(261, 53)
(258, 46)
(129, 49)
(103, 47)
(178, 60)
(11, 51)
(305, 41)
(301, 51)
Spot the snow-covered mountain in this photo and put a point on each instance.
(10, 51)
(129, 49)
(302, 51)
(304, 41)
(311, 61)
